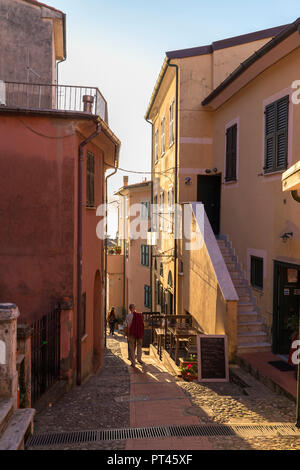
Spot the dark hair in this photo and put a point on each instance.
(131, 306)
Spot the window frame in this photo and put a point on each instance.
(163, 136)
(145, 255)
(147, 296)
(172, 122)
(156, 140)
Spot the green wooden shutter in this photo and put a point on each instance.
(276, 135)
(282, 132)
(231, 153)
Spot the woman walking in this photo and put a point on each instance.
(111, 321)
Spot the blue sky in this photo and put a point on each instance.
(119, 46)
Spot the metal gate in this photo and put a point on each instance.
(45, 353)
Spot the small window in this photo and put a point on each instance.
(145, 255)
(231, 153)
(156, 146)
(257, 272)
(83, 315)
(155, 215)
(161, 271)
(170, 279)
(163, 136)
(147, 296)
(90, 180)
(172, 114)
(276, 135)
(161, 212)
(145, 205)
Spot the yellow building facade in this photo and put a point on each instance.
(216, 97)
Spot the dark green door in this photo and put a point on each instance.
(287, 304)
(209, 193)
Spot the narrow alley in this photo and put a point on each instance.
(120, 397)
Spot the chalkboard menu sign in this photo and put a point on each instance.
(213, 358)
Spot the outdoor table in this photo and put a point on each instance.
(180, 334)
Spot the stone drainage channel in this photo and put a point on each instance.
(246, 430)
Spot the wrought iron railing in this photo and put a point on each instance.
(45, 353)
(53, 97)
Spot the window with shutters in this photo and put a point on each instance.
(147, 296)
(163, 136)
(156, 146)
(231, 153)
(90, 180)
(276, 135)
(145, 255)
(145, 207)
(172, 114)
(257, 272)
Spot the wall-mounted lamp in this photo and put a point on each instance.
(188, 181)
(215, 170)
(286, 236)
(207, 171)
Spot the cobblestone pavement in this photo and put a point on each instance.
(93, 405)
(97, 405)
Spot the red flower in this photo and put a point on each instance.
(189, 366)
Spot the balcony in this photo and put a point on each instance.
(53, 97)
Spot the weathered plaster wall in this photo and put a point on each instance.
(27, 32)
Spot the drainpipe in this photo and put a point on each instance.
(105, 247)
(151, 247)
(176, 186)
(65, 46)
(79, 244)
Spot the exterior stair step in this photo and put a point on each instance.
(245, 307)
(249, 326)
(254, 347)
(6, 411)
(242, 290)
(245, 299)
(247, 316)
(248, 337)
(20, 426)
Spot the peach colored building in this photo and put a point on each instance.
(213, 148)
(134, 222)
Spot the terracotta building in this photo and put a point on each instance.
(54, 153)
(129, 272)
(207, 116)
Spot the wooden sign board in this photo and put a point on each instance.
(213, 363)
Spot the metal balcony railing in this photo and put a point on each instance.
(53, 97)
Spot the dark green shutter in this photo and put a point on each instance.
(231, 153)
(276, 135)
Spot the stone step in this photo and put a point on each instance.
(249, 338)
(239, 282)
(222, 242)
(247, 316)
(249, 327)
(242, 290)
(20, 426)
(245, 299)
(231, 266)
(245, 307)
(254, 347)
(6, 411)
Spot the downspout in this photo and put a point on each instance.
(151, 209)
(176, 186)
(79, 244)
(105, 246)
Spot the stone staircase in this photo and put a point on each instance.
(15, 425)
(251, 334)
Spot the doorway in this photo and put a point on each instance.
(209, 193)
(286, 305)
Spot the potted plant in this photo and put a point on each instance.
(118, 250)
(189, 372)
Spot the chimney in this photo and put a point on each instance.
(88, 102)
(125, 180)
